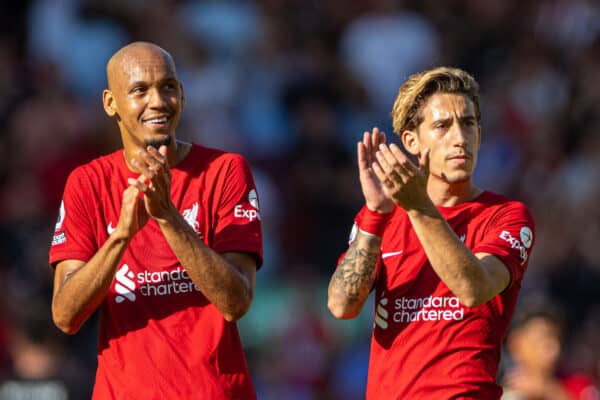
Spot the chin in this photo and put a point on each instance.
(157, 141)
(458, 178)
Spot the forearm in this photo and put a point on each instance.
(452, 261)
(353, 279)
(223, 284)
(82, 291)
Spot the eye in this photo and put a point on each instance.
(469, 122)
(138, 90)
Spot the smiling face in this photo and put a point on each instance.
(449, 129)
(144, 95)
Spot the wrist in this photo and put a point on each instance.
(169, 218)
(374, 222)
(120, 236)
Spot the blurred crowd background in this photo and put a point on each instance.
(291, 85)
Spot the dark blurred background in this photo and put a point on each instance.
(291, 85)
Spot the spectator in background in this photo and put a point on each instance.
(40, 368)
(445, 258)
(165, 237)
(534, 347)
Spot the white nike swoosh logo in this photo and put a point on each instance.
(110, 229)
(390, 254)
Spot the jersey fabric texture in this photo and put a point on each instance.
(425, 343)
(160, 338)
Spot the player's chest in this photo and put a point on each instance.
(189, 198)
(404, 261)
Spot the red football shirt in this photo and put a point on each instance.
(160, 338)
(425, 344)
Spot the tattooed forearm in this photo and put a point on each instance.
(353, 279)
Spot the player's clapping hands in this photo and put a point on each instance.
(403, 181)
(376, 197)
(133, 214)
(154, 181)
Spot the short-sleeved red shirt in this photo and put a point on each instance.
(425, 343)
(160, 338)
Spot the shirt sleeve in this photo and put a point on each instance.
(73, 234)
(237, 226)
(510, 237)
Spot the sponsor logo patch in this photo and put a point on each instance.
(130, 285)
(406, 310)
(526, 236)
(59, 238)
(515, 244)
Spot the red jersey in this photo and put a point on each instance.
(160, 338)
(425, 343)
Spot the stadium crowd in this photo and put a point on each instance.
(292, 85)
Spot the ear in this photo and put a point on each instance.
(410, 140)
(182, 95)
(478, 137)
(108, 101)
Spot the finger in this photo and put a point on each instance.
(405, 162)
(381, 175)
(130, 194)
(147, 174)
(396, 170)
(375, 138)
(142, 166)
(160, 155)
(163, 151)
(379, 138)
(138, 184)
(368, 147)
(152, 158)
(392, 165)
(383, 162)
(363, 158)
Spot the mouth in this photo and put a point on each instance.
(459, 157)
(157, 122)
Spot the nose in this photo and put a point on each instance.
(459, 135)
(157, 99)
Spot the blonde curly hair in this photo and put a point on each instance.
(406, 113)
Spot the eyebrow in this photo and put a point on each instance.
(145, 83)
(462, 118)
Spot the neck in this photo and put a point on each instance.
(451, 194)
(176, 152)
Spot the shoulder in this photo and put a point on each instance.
(213, 159)
(497, 201)
(93, 171)
(499, 207)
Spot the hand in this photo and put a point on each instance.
(133, 213)
(376, 198)
(401, 179)
(154, 182)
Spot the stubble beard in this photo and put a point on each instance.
(156, 143)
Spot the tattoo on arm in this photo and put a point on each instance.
(354, 277)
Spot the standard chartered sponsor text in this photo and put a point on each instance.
(161, 283)
(430, 308)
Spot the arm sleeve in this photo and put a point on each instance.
(237, 226)
(73, 234)
(510, 237)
